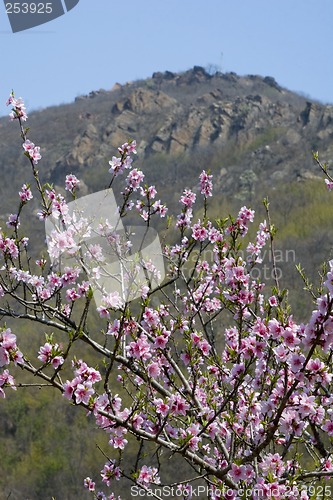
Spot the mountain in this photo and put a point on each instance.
(245, 123)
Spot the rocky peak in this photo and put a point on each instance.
(174, 114)
(179, 113)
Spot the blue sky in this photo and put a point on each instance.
(100, 42)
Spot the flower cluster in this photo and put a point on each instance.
(81, 387)
(146, 208)
(148, 476)
(245, 216)
(134, 179)
(13, 221)
(110, 471)
(50, 353)
(110, 301)
(206, 185)
(25, 193)
(263, 235)
(187, 199)
(6, 380)
(18, 110)
(8, 352)
(8, 348)
(71, 182)
(119, 164)
(32, 150)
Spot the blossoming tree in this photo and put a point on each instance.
(207, 365)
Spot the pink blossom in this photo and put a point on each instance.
(13, 221)
(179, 406)
(18, 109)
(50, 353)
(45, 352)
(290, 337)
(245, 216)
(93, 375)
(70, 275)
(81, 368)
(72, 294)
(273, 301)
(83, 392)
(8, 339)
(109, 472)
(194, 429)
(204, 347)
(112, 301)
(159, 208)
(238, 472)
(60, 242)
(185, 357)
(281, 352)
(184, 219)
(128, 148)
(315, 365)
(28, 146)
(8, 348)
(57, 361)
(4, 357)
(103, 312)
(193, 443)
(272, 463)
(206, 185)
(329, 282)
(89, 484)
(25, 193)
(188, 198)
(6, 380)
(118, 442)
(161, 341)
(307, 405)
(10, 248)
(275, 328)
(149, 191)
(32, 150)
(148, 475)
(95, 252)
(116, 165)
(296, 362)
(328, 427)
(199, 232)
(328, 465)
(154, 370)
(68, 389)
(151, 317)
(71, 182)
(329, 184)
(134, 179)
(140, 348)
(161, 407)
(237, 370)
